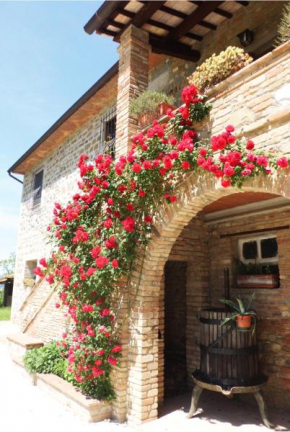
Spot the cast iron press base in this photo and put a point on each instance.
(229, 392)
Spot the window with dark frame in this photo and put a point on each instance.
(110, 136)
(37, 187)
(110, 129)
(259, 249)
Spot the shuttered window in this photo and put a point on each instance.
(37, 189)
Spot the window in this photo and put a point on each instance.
(259, 250)
(30, 266)
(108, 132)
(110, 137)
(37, 187)
(110, 129)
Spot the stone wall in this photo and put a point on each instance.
(257, 101)
(272, 305)
(169, 74)
(59, 184)
(253, 17)
(210, 247)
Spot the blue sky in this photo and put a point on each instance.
(47, 63)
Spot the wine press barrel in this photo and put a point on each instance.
(229, 357)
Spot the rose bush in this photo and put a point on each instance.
(96, 234)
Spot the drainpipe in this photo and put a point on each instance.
(15, 178)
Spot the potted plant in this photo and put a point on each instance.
(252, 275)
(219, 67)
(244, 316)
(151, 105)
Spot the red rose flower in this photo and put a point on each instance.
(250, 145)
(112, 361)
(50, 279)
(230, 128)
(96, 251)
(136, 168)
(117, 349)
(282, 162)
(101, 261)
(130, 207)
(129, 224)
(185, 165)
(226, 183)
(43, 262)
(38, 272)
(188, 94)
(148, 219)
(115, 263)
(108, 223)
(91, 271)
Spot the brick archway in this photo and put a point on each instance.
(193, 195)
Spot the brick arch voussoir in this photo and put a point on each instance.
(196, 192)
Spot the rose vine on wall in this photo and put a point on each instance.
(96, 235)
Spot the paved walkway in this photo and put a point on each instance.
(26, 408)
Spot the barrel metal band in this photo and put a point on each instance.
(211, 321)
(229, 351)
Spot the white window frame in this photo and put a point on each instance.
(259, 259)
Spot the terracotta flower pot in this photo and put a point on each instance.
(161, 110)
(163, 107)
(147, 119)
(244, 321)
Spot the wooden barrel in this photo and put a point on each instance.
(229, 357)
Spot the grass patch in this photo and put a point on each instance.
(5, 313)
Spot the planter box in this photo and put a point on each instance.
(147, 119)
(92, 410)
(258, 281)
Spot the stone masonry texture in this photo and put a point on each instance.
(249, 100)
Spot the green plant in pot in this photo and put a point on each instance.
(242, 313)
(150, 105)
(253, 275)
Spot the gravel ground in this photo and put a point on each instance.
(26, 408)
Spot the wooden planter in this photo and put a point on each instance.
(147, 119)
(258, 281)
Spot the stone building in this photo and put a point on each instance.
(160, 44)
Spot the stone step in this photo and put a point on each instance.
(19, 343)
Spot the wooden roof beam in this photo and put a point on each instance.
(151, 22)
(169, 28)
(126, 13)
(174, 49)
(193, 19)
(217, 11)
(143, 15)
(182, 15)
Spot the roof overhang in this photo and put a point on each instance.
(79, 113)
(175, 28)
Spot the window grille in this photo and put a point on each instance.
(37, 188)
(108, 135)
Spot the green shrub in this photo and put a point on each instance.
(148, 101)
(284, 26)
(47, 359)
(219, 67)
